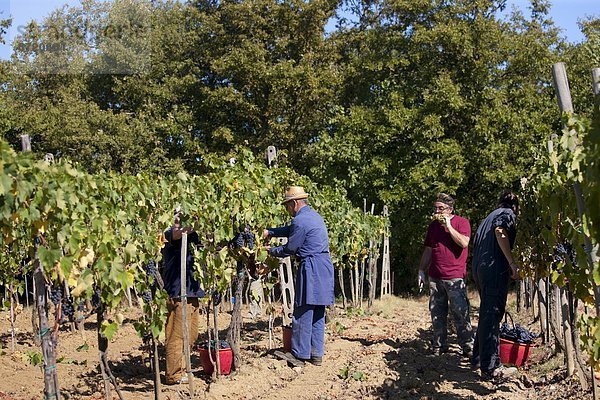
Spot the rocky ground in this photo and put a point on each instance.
(380, 354)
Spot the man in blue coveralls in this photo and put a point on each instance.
(308, 240)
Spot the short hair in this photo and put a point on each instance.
(446, 199)
(508, 200)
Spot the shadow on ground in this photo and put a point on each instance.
(423, 375)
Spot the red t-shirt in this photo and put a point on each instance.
(448, 259)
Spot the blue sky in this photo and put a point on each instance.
(565, 13)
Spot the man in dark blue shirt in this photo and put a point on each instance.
(493, 266)
(175, 371)
(307, 239)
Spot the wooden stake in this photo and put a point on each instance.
(156, 368)
(386, 286)
(51, 387)
(561, 83)
(13, 342)
(567, 335)
(184, 316)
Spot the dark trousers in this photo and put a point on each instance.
(492, 284)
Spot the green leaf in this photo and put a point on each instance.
(358, 376)
(108, 330)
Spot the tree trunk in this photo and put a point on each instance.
(556, 320)
(13, 341)
(156, 369)
(51, 387)
(361, 282)
(567, 332)
(35, 320)
(341, 279)
(351, 271)
(519, 294)
(107, 376)
(580, 365)
(543, 309)
(235, 327)
(217, 342)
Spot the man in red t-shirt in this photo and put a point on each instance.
(445, 259)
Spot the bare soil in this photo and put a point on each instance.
(380, 354)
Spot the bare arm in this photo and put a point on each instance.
(178, 231)
(459, 238)
(504, 243)
(425, 259)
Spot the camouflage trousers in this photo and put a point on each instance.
(452, 293)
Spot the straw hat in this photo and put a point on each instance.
(294, 193)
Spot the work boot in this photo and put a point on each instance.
(316, 360)
(499, 375)
(438, 351)
(467, 352)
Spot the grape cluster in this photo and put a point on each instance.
(216, 298)
(152, 269)
(146, 338)
(56, 294)
(516, 334)
(244, 239)
(147, 296)
(96, 298)
(564, 250)
(67, 309)
(223, 344)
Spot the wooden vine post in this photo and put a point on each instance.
(596, 90)
(372, 266)
(386, 285)
(184, 315)
(51, 387)
(561, 84)
(565, 104)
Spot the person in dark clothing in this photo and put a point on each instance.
(171, 275)
(493, 267)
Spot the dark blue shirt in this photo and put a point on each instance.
(487, 251)
(171, 273)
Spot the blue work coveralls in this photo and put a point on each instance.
(492, 276)
(308, 239)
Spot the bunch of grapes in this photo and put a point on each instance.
(147, 296)
(96, 298)
(565, 250)
(152, 269)
(516, 334)
(216, 298)
(248, 237)
(67, 309)
(238, 241)
(56, 294)
(146, 338)
(244, 239)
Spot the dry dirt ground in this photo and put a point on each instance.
(380, 354)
